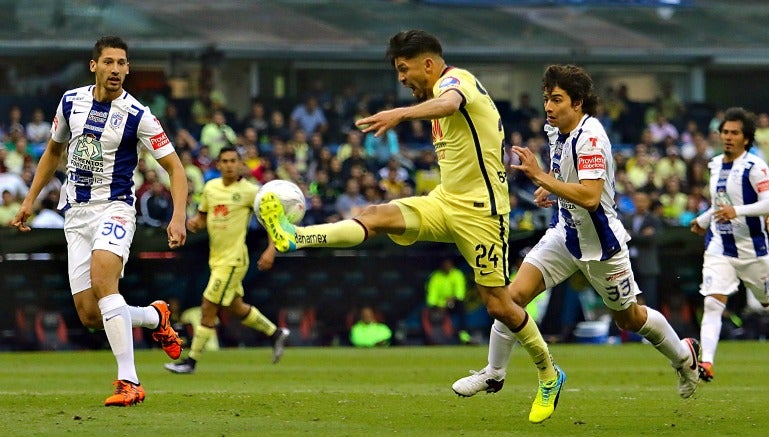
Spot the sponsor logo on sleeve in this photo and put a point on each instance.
(448, 82)
(159, 140)
(763, 186)
(591, 162)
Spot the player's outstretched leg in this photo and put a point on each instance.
(688, 372)
(126, 394)
(487, 379)
(547, 397)
(165, 333)
(279, 343)
(276, 223)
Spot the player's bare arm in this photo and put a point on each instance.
(439, 107)
(177, 233)
(46, 167)
(587, 193)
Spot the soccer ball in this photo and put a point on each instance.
(289, 194)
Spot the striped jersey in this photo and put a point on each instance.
(468, 145)
(740, 182)
(228, 211)
(103, 144)
(585, 153)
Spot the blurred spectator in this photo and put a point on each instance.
(381, 149)
(351, 201)
(393, 185)
(321, 161)
(762, 134)
(171, 121)
(48, 216)
(9, 206)
(14, 122)
(257, 120)
(299, 151)
(446, 289)
(203, 160)
(19, 157)
(354, 139)
(357, 158)
(670, 165)
(523, 114)
(715, 122)
(11, 181)
(698, 149)
(194, 174)
(673, 200)
(670, 104)
(418, 135)
(644, 229)
(369, 331)
(156, 206)
(661, 128)
(38, 129)
(640, 170)
(694, 208)
(321, 187)
(687, 136)
(309, 116)
(217, 133)
(278, 128)
(319, 212)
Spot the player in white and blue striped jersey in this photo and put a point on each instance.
(100, 128)
(734, 229)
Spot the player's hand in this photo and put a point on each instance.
(695, 228)
(380, 122)
(177, 234)
(529, 164)
(195, 224)
(265, 261)
(542, 198)
(20, 221)
(724, 213)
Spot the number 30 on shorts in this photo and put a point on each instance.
(115, 229)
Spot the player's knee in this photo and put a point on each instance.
(91, 320)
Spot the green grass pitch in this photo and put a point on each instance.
(620, 390)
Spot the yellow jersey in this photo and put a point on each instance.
(468, 144)
(228, 211)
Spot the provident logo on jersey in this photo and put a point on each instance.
(591, 162)
(159, 140)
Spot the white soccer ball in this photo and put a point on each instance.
(289, 194)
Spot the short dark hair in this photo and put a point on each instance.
(228, 149)
(748, 123)
(410, 43)
(114, 42)
(575, 81)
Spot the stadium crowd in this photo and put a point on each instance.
(660, 149)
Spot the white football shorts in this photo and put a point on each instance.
(106, 226)
(722, 274)
(612, 279)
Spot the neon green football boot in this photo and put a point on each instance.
(282, 232)
(547, 397)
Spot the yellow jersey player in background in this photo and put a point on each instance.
(225, 210)
(468, 208)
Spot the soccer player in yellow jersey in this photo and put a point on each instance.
(468, 208)
(225, 210)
